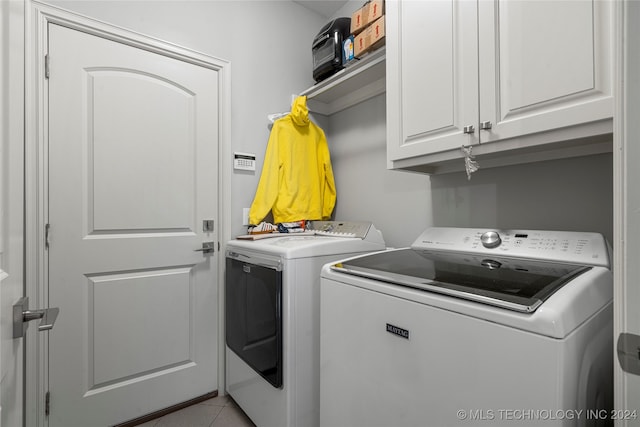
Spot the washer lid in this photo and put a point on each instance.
(516, 284)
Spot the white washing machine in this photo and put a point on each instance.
(470, 327)
(272, 311)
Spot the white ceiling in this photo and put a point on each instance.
(325, 8)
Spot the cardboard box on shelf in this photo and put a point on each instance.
(368, 13)
(376, 10)
(377, 32)
(369, 39)
(358, 20)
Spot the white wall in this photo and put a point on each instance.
(268, 43)
(568, 194)
(398, 203)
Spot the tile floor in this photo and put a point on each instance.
(220, 411)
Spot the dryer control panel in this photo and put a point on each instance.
(340, 228)
(565, 246)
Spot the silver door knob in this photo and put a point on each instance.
(469, 129)
(22, 315)
(207, 248)
(486, 125)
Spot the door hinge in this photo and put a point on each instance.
(47, 403)
(47, 228)
(46, 66)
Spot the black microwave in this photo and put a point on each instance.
(327, 48)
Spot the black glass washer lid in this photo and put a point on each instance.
(516, 284)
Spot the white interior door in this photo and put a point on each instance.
(133, 143)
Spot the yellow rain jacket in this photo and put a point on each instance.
(297, 179)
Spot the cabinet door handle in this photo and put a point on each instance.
(486, 125)
(469, 129)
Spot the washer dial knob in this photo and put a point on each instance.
(490, 239)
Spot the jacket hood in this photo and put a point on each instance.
(300, 112)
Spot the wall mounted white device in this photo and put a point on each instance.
(244, 161)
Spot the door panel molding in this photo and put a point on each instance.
(38, 16)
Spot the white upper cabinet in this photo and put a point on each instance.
(543, 65)
(520, 80)
(432, 76)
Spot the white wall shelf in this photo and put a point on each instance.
(350, 86)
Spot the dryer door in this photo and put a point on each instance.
(253, 293)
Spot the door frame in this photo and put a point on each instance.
(625, 246)
(11, 207)
(618, 200)
(37, 17)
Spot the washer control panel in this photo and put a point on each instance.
(562, 246)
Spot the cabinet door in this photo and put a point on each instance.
(432, 85)
(543, 65)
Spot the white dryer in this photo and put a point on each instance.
(470, 327)
(272, 318)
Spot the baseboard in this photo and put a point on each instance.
(162, 412)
